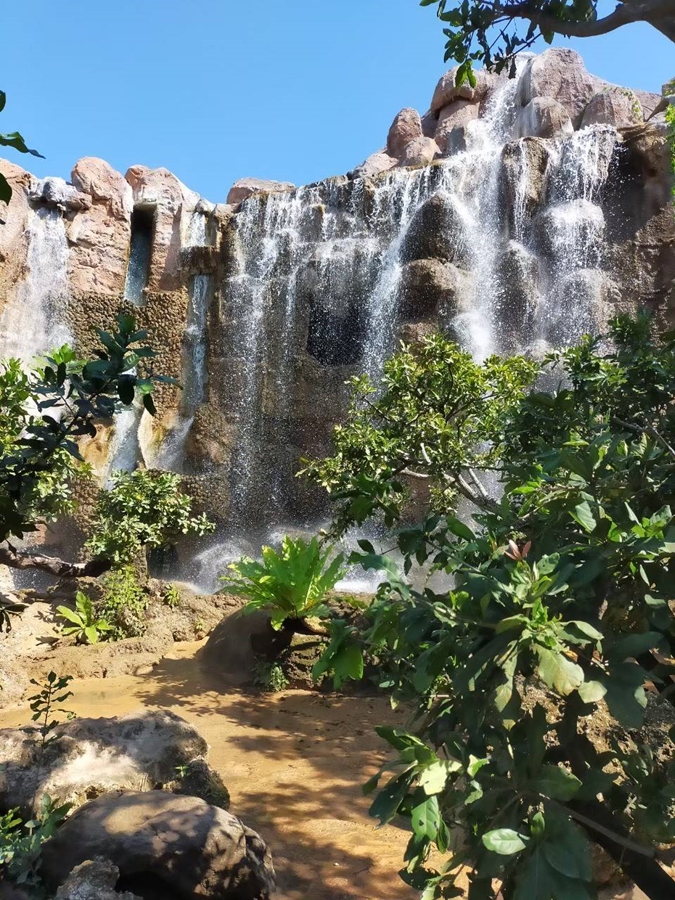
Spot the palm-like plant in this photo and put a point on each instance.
(290, 583)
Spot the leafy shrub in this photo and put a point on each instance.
(86, 625)
(269, 676)
(124, 603)
(561, 612)
(142, 509)
(290, 583)
(21, 842)
(171, 596)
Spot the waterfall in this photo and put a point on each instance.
(35, 320)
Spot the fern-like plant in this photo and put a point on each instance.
(290, 583)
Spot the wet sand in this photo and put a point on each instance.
(294, 763)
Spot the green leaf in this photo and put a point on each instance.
(556, 783)
(504, 841)
(583, 515)
(625, 695)
(386, 804)
(558, 672)
(592, 691)
(433, 779)
(425, 818)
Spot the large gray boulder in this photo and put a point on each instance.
(92, 756)
(180, 844)
(435, 232)
(429, 287)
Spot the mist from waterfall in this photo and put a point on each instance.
(35, 322)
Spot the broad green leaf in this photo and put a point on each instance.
(556, 783)
(558, 672)
(425, 818)
(504, 841)
(583, 515)
(386, 804)
(592, 691)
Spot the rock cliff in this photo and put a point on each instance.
(515, 214)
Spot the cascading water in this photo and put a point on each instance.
(321, 272)
(35, 321)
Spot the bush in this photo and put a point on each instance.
(290, 583)
(124, 603)
(561, 613)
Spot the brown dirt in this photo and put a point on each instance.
(293, 762)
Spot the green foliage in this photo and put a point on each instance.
(44, 411)
(269, 676)
(124, 603)
(85, 624)
(290, 583)
(16, 142)
(439, 416)
(143, 509)
(560, 612)
(171, 596)
(53, 691)
(21, 842)
(490, 33)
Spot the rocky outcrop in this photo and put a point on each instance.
(94, 879)
(430, 288)
(375, 165)
(452, 121)
(181, 844)
(93, 756)
(99, 237)
(406, 127)
(614, 106)
(560, 74)
(446, 90)
(246, 187)
(419, 152)
(543, 117)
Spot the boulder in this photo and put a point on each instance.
(244, 188)
(429, 122)
(406, 127)
(94, 879)
(419, 152)
(517, 277)
(435, 232)
(523, 180)
(560, 74)
(104, 185)
(57, 193)
(452, 120)
(648, 101)
(376, 164)
(446, 90)
(236, 644)
(428, 287)
(92, 756)
(614, 106)
(180, 844)
(543, 117)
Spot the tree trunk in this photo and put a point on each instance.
(17, 559)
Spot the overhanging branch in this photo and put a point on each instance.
(17, 559)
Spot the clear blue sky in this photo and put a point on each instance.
(218, 89)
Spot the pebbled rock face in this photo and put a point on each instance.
(93, 756)
(182, 844)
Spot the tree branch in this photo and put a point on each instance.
(16, 559)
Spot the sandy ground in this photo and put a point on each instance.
(294, 764)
